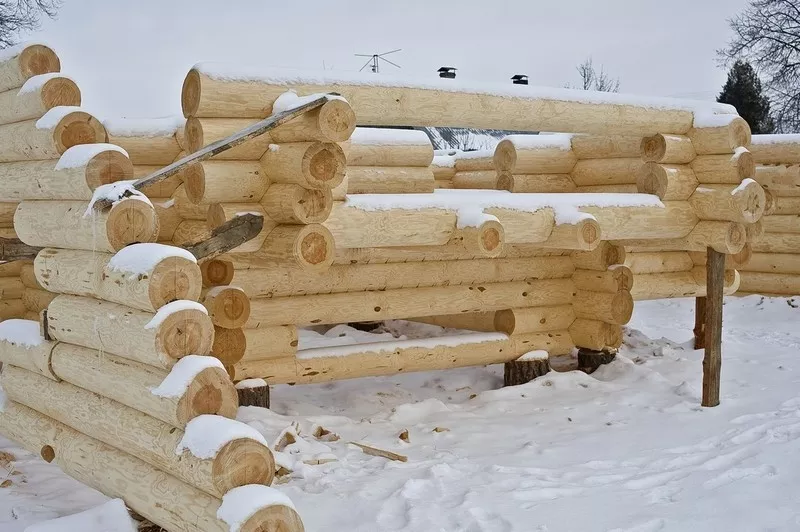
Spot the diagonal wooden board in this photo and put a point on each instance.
(250, 132)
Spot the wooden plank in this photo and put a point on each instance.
(228, 236)
(712, 361)
(207, 152)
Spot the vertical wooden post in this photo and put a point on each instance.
(712, 361)
(699, 323)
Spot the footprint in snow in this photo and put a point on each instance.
(732, 475)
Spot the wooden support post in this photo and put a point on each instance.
(255, 396)
(700, 323)
(589, 360)
(525, 369)
(712, 361)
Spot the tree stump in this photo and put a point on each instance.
(589, 360)
(525, 370)
(256, 396)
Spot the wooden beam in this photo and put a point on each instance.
(250, 132)
(712, 361)
(700, 323)
(228, 236)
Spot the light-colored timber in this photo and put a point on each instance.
(541, 183)
(228, 306)
(668, 149)
(744, 203)
(309, 164)
(659, 262)
(34, 101)
(534, 319)
(721, 139)
(667, 181)
(293, 204)
(615, 308)
(724, 169)
(33, 358)
(30, 60)
(595, 334)
(513, 155)
(616, 278)
(46, 139)
(770, 283)
(605, 171)
(225, 182)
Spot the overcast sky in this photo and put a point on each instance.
(130, 56)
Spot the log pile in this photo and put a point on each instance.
(774, 266)
(112, 360)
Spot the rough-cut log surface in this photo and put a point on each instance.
(524, 371)
(589, 360)
(255, 396)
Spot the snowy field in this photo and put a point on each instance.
(625, 449)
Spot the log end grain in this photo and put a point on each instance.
(228, 307)
(190, 94)
(185, 332)
(336, 120)
(78, 128)
(274, 518)
(241, 462)
(108, 167)
(229, 345)
(324, 164)
(174, 278)
(60, 91)
(217, 272)
(211, 392)
(38, 59)
(131, 221)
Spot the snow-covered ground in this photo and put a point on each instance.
(625, 449)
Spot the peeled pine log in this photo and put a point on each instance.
(308, 247)
(605, 189)
(605, 171)
(606, 147)
(595, 334)
(356, 228)
(168, 219)
(534, 320)
(7, 211)
(754, 231)
(158, 496)
(308, 164)
(293, 204)
(22, 62)
(485, 240)
(129, 383)
(676, 219)
(204, 131)
(86, 273)
(33, 358)
(679, 284)
(38, 96)
(12, 308)
(781, 180)
(145, 149)
(37, 300)
(224, 182)
(601, 258)
(533, 154)
(130, 333)
(407, 302)
(781, 223)
(239, 462)
(538, 183)
(475, 179)
(785, 205)
(227, 306)
(770, 283)
(389, 180)
(65, 224)
(443, 171)
(787, 263)
(471, 161)
(778, 243)
(724, 169)
(13, 269)
(724, 237)
(327, 364)
(668, 149)
(209, 96)
(50, 136)
(668, 182)
(616, 278)
(659, 262)
(27, 275)
(278, 282)
(269, 343)
(470, 321)
(584, 235)
(449, 251)
(11, 288)
(615, 308)
(40, 180)
(743, 203)
(770, 204)
(725, 136)
(189, 231)
(775, 149)
(389, 147)
(732, 262)
(186, 208)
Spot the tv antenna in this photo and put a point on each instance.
(374, 60)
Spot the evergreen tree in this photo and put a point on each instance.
(743, 91)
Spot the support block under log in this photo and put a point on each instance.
(525, 369)
(589, 360)
(256, 396)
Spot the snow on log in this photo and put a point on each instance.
(214, 454)
(718, 133)
(65, 224)
(148, 141)
(22, 345)
(178, 329)
(20, 63)
(37, 96)
(535, 154)
(142, 276)
(218, 90)
(50, 136)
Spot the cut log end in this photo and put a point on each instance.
(228, 307)
(78, 128)
(653, 148)
(276, 518)
(174, 278)
(293, 204)
(38, 59)
(337, 120)
(193, 135)
(190, 94)
(746, 165)
(211, 392)
(652, 179)
(185, 332)
(108, 167)
(60, 91)
(216, 272)
(229, 345)
(194, 182)
(131, 221)
(740, 133)
(324, 163)
(241, 462)
(505, 156)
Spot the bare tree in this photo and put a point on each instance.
(767, 34)
(592, 80)
(22, 15)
